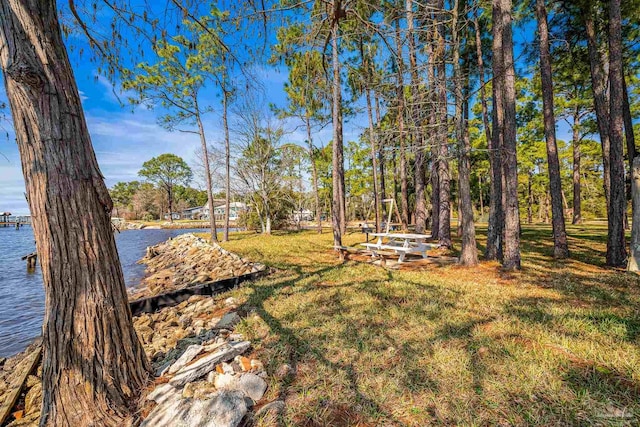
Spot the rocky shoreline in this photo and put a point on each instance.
(205, 372)
(186, 261)
(127, 225)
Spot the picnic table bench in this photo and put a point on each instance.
(400, 243)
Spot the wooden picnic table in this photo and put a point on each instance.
(401, 243)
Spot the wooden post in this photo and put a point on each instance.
(634, 255)
(31, 260)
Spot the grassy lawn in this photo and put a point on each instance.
(555, 344)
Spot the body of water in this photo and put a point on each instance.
(22, 293)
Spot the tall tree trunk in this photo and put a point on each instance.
(227, 165)
(486, 123)
(529, 198)
(616, 247)
(93, 364)
(207, 171)
(444, 208)
(170, 203)
(420, 189)
(372, 139)
(631, 141)
(468, 252)
(495, 228)
(394, 163)
(314, 177)
(577, 197)
(432, 125)
(338, 205)
(511, 259)
(483, 95)
(374, 164)
(634, 256)
(415, 94)
(481, 197)
(600, 99)
(560, 247)
(404, 186)
(628, 124)
(381, 158)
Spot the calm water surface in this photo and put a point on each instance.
(22, 294)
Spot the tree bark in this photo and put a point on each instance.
(616, 247)
(600, 99)
(529, 198)
(628, 124)
(372, 138)
(495, 228)
(481, 197)
(431, 121)
(444, 179)
(338, 205)
(93, 364)
(577, 190)
(207, 171)
(469, 251)
(483, 103)
(374, 164)
(421, 158)
(634, 256)
(404, 186)
(170, 202)
(511, 259)
(483, 95)
(314, 177)
(560, 247)
(629, 138)
(227, 164)
(381, 157)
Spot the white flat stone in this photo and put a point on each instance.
(190, 353)
(208, 363)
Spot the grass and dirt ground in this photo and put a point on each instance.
(554, 344)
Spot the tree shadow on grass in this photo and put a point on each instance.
(609, 386)
(298, 348)
(368, 336)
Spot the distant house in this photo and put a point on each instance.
(235, 209)
(192, 213)
(174, 215)
(302, 215)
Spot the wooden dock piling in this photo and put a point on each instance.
(31, 260)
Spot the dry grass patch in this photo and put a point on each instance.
(555, 344)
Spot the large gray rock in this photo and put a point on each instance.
(208, 363)
(190, 353)
(252, 385)
(223, 409)
(228, 321)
